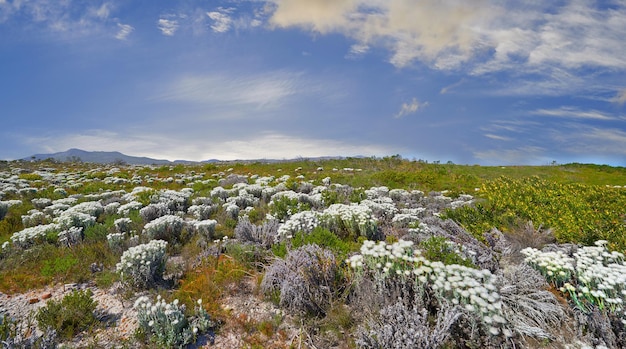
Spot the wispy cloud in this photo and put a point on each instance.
(497, 137)
(124, 31)
(167, 27)
(222, 21)
(574, 113)
(410, 108)
(620, 98)
(260, 91)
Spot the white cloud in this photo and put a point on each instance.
(124, 31)
(497, 137)
(549, 47)
(410, 108)
(575, 113)
(167, 27)
(103, 11)
(222, 20)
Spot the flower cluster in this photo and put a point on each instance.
(70, 219)
(125, 209)
(556, 267)
(116, 240)
(123, 225)
(473, 289)
(355, 219)
(167, 227)
(71, 236)
(142, 265)
(206, 228)
(598, 278)
(304, 221)
(28, 237)
(166, 325)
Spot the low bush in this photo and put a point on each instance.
(72, 314)
(305, 282)
(166, 325)
(143, 265)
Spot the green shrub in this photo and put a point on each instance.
(438, 248)
(74, 313)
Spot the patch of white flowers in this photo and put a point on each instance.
(142, 265)
(30, 236)
(166, 325)
(473, 289)
(595, 276)
(304, 221)
(168, 226)
(356, 219)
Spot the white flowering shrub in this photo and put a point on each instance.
(141, 266)
(166, 228)
(202, 211)
(472, 289)
(304, 221)
(165, 324)
(70, 219)
(206, 228)
(92, 208)
(232, 210)
(71, 236)
(28, 237)
(33, 218)
(116, 241)
(154, 211)
(382, 208)
(123, 225)
(125, 209)
(40, 203)
(111, 208)
(350, 221)
(594, 277)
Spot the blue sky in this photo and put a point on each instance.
(480, 82)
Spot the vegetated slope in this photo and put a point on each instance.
(362, 242)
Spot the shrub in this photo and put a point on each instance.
(264, 235)
(304, 221)
(305, 281)
(202, 212)
(154, 211)
(74, 313)
(402, 265)
(440, 249)
(166, 228)
(141, 266)
(399, 326)
(166, 325)
(123, 225)
(71, 236)
(206, 228)
(350, 221)
(28, 237)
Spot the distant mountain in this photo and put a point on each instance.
(111, 157)
(100, 157)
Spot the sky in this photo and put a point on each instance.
(518, 82)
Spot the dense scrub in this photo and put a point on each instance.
(364, 252)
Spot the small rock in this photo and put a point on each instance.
(46, 295)
(33, 300)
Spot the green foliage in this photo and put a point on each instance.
(58, 266)
(438, 248)
(577, 213)
(284, 207)
(321, 237)
(74, 313)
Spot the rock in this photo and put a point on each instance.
(46, 295)
(33, 300)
